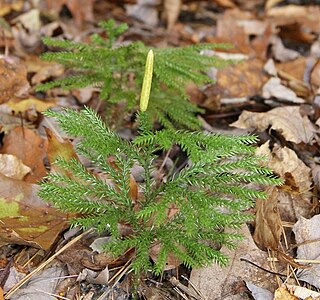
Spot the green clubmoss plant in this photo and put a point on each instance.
(182, 214)
(108, 65)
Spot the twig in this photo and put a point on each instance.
(262, 268)
(176, 283)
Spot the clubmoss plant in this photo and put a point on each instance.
(109, 66)
(182, 214)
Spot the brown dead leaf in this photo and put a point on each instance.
(268, 226)
(13, 80)
(287, 120)
(13, 167)
(25, 218)
(172, 10)
(294, 198)
(244, 79)
(28, 146)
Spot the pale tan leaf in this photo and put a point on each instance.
(286, 120)
(13, 167)
(172, 10)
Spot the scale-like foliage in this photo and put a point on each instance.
(183, 214)
(109, 66)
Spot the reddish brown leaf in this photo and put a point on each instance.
(28, 146)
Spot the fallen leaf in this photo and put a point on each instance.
(243, 79)
(315, 75)
(287, 120)
(144, 11)
(216, 282)
(25, 218)
(13, 167)
(282, 293)
(42, 70)
(294, 198)
(307, 236)
(274, 88)
(268, 226)
(81, 10)
(8, 6)
(30, 20)
(13, 80)
(42, 285)
(25, 144)
(16, 105)
(172, 10)
(259, 293)
(280, 52)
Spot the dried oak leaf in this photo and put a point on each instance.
(286, 120)
(28, 146)
(282, 293)
(268, 226)
(13, 80)
(24, 218)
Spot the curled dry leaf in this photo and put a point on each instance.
(13, 80)
(28, 146)
(294, 198)
(287, 120)
(13, 167)
(24, 218)
(268, 226)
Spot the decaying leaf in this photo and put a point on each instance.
(24, 218)
(294, 198)
(268, 226)
(8, 6)
(13, 167)
(28, 146)
(287, 120)
(13, 80)
(307, 234)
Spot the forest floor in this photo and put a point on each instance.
(274, 92)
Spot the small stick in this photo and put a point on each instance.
(176, 283)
